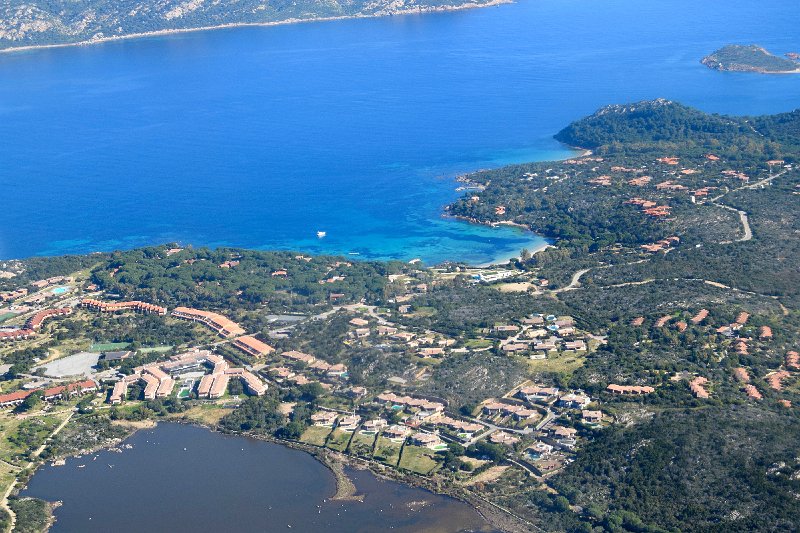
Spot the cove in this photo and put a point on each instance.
(178, 477)
(261, 137)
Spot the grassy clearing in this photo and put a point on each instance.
(7, 475)
(203, 414)
(108, 346)
(338, 440)
(362, 444)
(315, 435)
(20, 436)
(418, 459)
(424, 311)
(477, 344)
(563, 363)
(159, 349)
(386, 451)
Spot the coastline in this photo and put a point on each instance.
(467, 184)
(156, 33)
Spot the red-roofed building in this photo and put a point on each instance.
(253, 346)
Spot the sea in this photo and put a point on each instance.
(262, 137)
(178, 477)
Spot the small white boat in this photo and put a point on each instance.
(321, 234)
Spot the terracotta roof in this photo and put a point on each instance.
(253, 346)
(221, 324)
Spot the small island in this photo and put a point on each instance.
(749, 58)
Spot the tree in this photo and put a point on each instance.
(30, 402)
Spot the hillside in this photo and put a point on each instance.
(36, 22)
(640, 375)
(748, 58)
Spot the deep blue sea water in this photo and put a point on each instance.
(260, 137)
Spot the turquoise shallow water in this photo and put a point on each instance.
(261, 137)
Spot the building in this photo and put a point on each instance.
(501, 437)
(14, 335)
(591, 417)
(574, 400)
(119, 392)
(428, 440)
(349, 423)
(113, 307)
(700, 316)
(252, 346)
(219, 387)
(252, 384)
(300, 357)
(396, 433)
(538, 394)
(539, 450)
(371, 427)
(324, 418)
(37, 321)
(578, 345)
(116, 356)
(219, 323)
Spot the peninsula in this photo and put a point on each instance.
(640, 375)
(749, 58)
(37, 24)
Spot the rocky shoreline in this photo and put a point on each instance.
(402, 11)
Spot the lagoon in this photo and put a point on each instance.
(185, 478)
(260, 137)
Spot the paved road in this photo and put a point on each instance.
(748, 233)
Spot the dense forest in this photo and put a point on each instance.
(240, 279)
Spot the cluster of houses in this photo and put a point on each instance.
(51, 393)
(740, 342)
(397, 433)
(539, 335)
(222, 325)
(33, 324)
(160, 378)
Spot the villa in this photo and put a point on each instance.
(324, 418)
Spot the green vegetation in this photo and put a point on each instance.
(712, 469)
(315, 435)
(386, 451)
(338, 440)
(33, 515)
(362, 444)
(672, 458)
(194, 277)
(84, 20)
(418, 459)
(748, 58)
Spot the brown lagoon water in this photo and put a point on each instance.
(186, 478)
